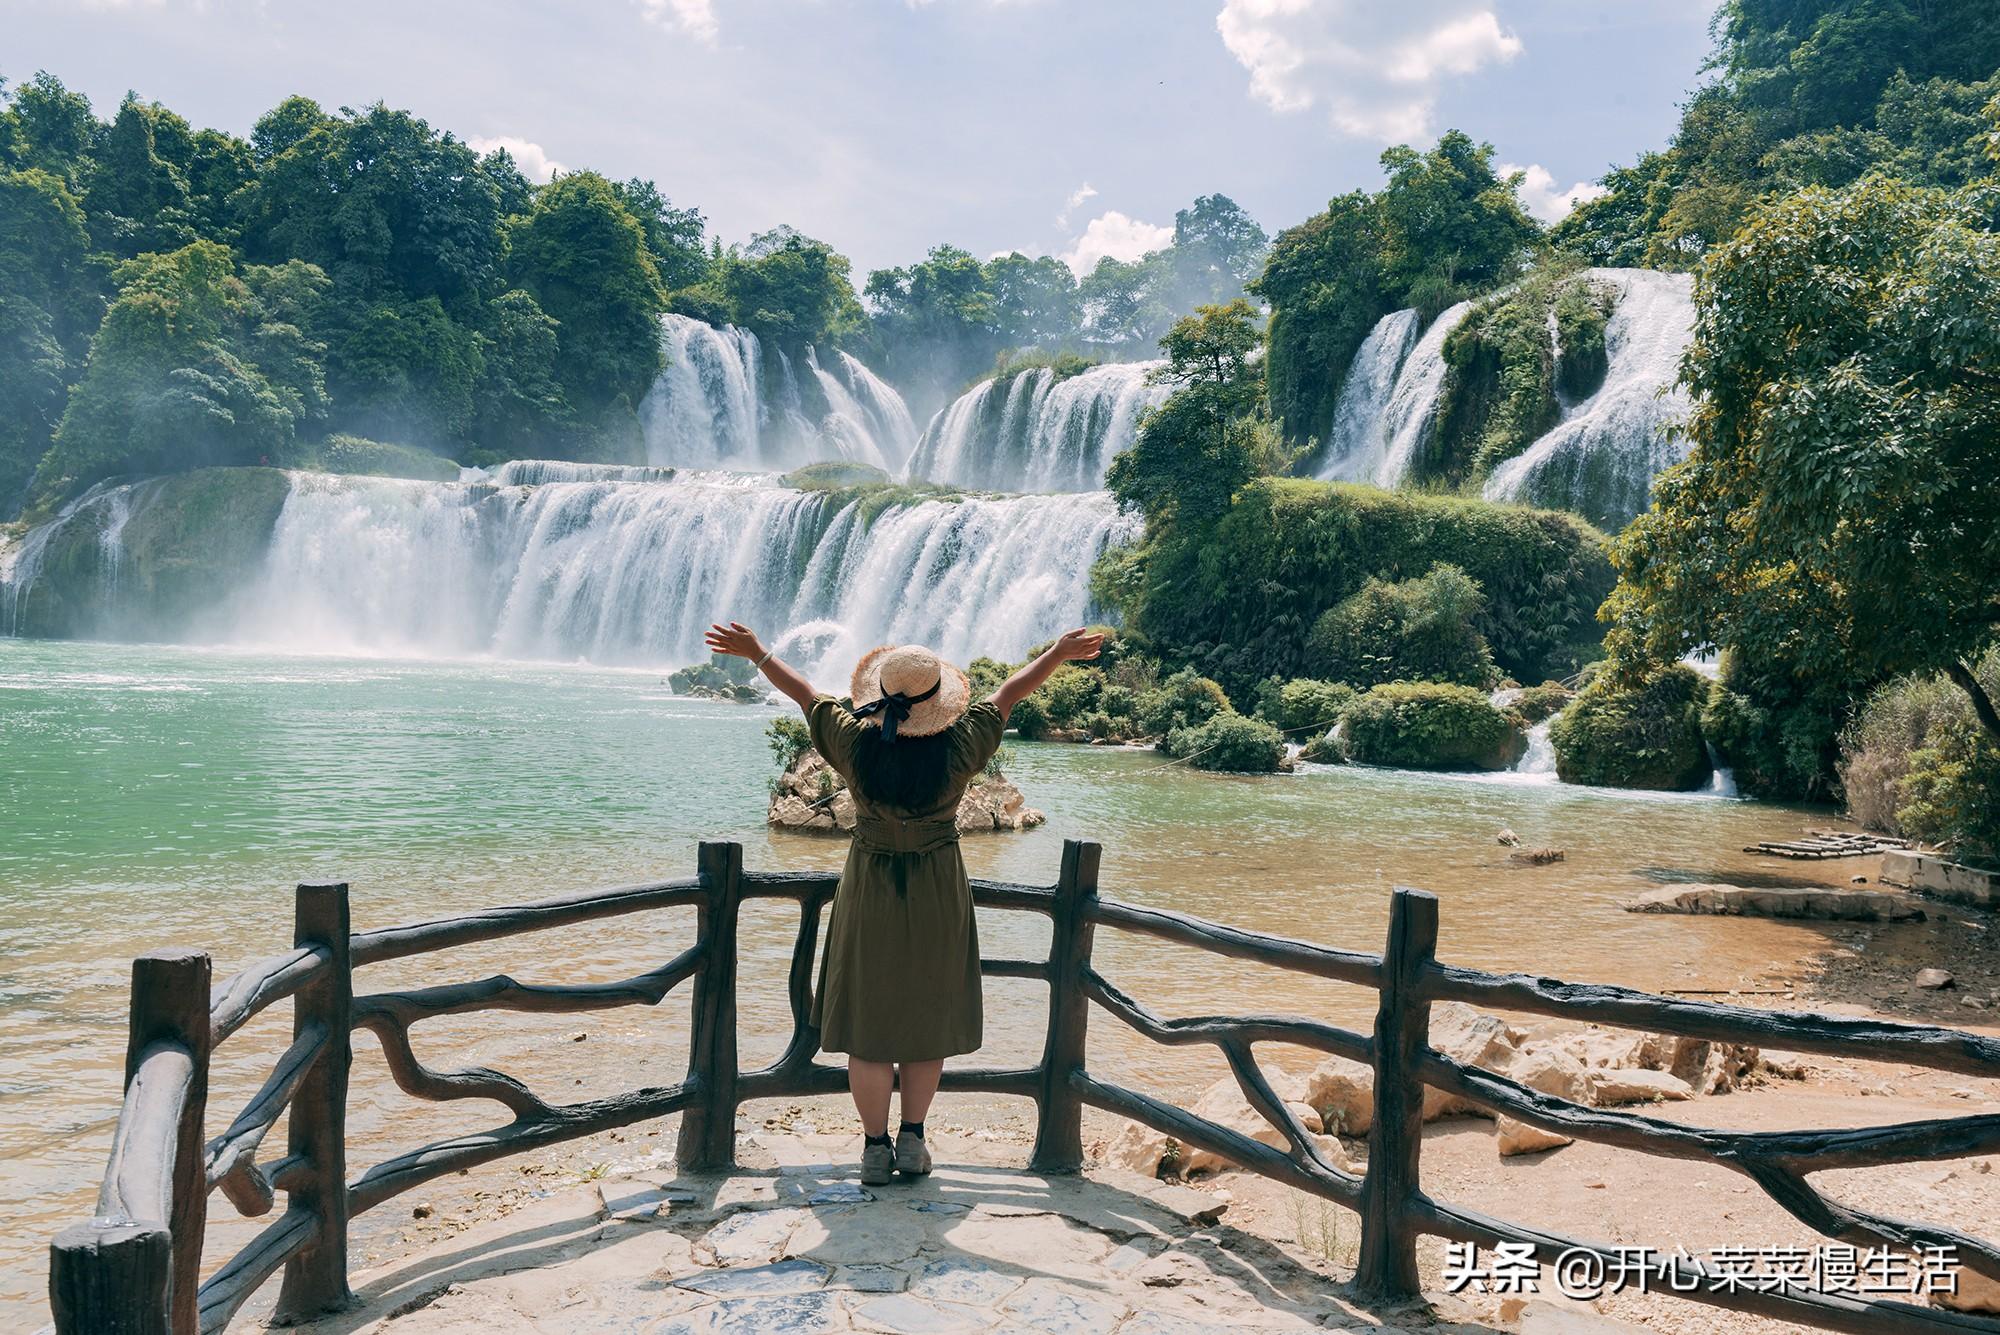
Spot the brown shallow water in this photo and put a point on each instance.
(154, 796)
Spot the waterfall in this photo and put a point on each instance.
(1722, 783)
(1034, 432)
(706, 405)
(107, 505)
(726, 400)
(1539, 760)
(1389, 398)
(1600, 460)
(627, 572)
(1355, 449)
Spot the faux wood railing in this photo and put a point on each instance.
(134, 1269)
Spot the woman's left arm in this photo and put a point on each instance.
(738, 640)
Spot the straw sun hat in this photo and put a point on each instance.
(909, 691)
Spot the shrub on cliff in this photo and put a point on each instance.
(1646, 734)
(1915, 762)
(1412, 630)
(1239, 599)
(1534, 704)
(1229, 742)
(1430, 725)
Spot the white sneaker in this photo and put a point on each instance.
(913, 1157)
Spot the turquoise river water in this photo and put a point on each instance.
(153, 796)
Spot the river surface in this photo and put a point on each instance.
(172, 796)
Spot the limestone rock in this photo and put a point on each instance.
(1142, 1150)
(1548, 1069)
(1343, 1093)
(1536, 857)
(1611, 1086)
(1934, 980)
(1466, 1035)
(1517, 1137)
(810, 796)
(1825, 902)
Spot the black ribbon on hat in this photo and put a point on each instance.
(894, 707)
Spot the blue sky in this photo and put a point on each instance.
(1067, 127)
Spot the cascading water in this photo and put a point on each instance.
(1600, 460)
(725, 400)
(1358, 442)
(1035, 432)
(1376, 432)
(632, 572)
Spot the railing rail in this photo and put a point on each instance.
(134, 1268)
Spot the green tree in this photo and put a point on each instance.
(673, 235)
(1840, 512)
(936, 320)
(1217, 250)
(582, 256)
(174, 381)
(136, 199)
(790, 288)
(48, 306)
(1198, 447)
(50, 128)
(379, 200)
(520, 403)
(1445, 226)
(1034, 301)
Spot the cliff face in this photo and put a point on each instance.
(810, 796)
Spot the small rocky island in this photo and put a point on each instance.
(810, 796)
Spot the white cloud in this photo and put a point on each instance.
(1374, 67)
(1076, 197)
(533, 160)
(1542, 197)
(696, 18)
(1117, 236)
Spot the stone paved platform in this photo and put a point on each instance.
(802, 1247)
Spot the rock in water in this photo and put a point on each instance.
(810, 796)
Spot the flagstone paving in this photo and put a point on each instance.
(802, 1247)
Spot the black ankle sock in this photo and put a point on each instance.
(915, 1129)
(882, 1139)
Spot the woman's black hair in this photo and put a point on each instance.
(910, 773)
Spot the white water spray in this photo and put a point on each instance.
(1033, 432)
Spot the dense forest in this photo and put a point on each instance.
(344, 288)
(359, 281)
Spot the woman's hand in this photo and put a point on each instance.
(1078, 644)
(735, 639)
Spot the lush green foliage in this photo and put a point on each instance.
(195, 365)
(790, 738)
(1423, 629)
(1533, 704)
(1199, 447)
(1504, 372)
(1429, 725)
(1444, 227)
(1624, 734)
(1809, 92)
(1228, 742)
(1239, 599)
(1916, 762)
(48, 308)
(1840, 514)
(1302, 704)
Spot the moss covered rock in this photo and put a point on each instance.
(155, 559)
(378, 458)
(1618, 734)
(1430, 725)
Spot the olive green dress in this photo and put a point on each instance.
(900, 979)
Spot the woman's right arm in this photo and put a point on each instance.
(739, 640)
(1075, 644)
